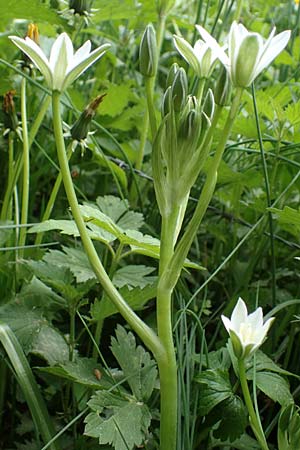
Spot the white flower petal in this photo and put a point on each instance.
(81, 54)
(60, 58)
(255, 319)
(239, 314)
(213, 44)
(226, 322)
(83, 65)
(188, 53)
(275, 46)
(35, 53)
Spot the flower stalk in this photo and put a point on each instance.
(26, 169)
(254, 421)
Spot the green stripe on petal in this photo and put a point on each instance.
(188, 53)
(244, 66)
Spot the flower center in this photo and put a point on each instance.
(247, 333)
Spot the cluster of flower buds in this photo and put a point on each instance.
(185, 123)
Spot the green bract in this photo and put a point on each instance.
(63, 65)
(247, 332)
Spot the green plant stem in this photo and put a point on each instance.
(167, 366)
(26, 169)
(147, 335)
(269, 201)
(172, 274)
(19, 163)
(238, 10)
(10, 171)
(149, 81)
(254, 421)
(51, 201)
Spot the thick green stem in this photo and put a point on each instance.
(147, 335)
(26, 169)
(167, 366)
(254, 421)
(238, 10)
(172, 273)
(51, 201)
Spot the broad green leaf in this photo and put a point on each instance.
(139, 369)
(50, 345)
(233, 417)
(264, 363)
(215, 387)
(133, 276)
(118, 210)
(34, 10)
(69, 227)
(81, 371)
(288, 218)
(136, 298)
(35, 333)
(118, 97)
(245, 442)
(73, 259)
(37, 294)
(275, 387)
(116, 421)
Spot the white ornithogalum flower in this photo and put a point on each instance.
(201, 57)
(247, 331)
(63, 65)
(248, 53)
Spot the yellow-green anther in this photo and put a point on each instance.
(179, 89)
(223, 89)
(148, 55)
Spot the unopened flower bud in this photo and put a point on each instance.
(171, 75)
(80, 129)
(223, 88)
(179, 89)
(81, 7)
(209, 104)
(9, 112)
(189, 128)
(148, 52)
